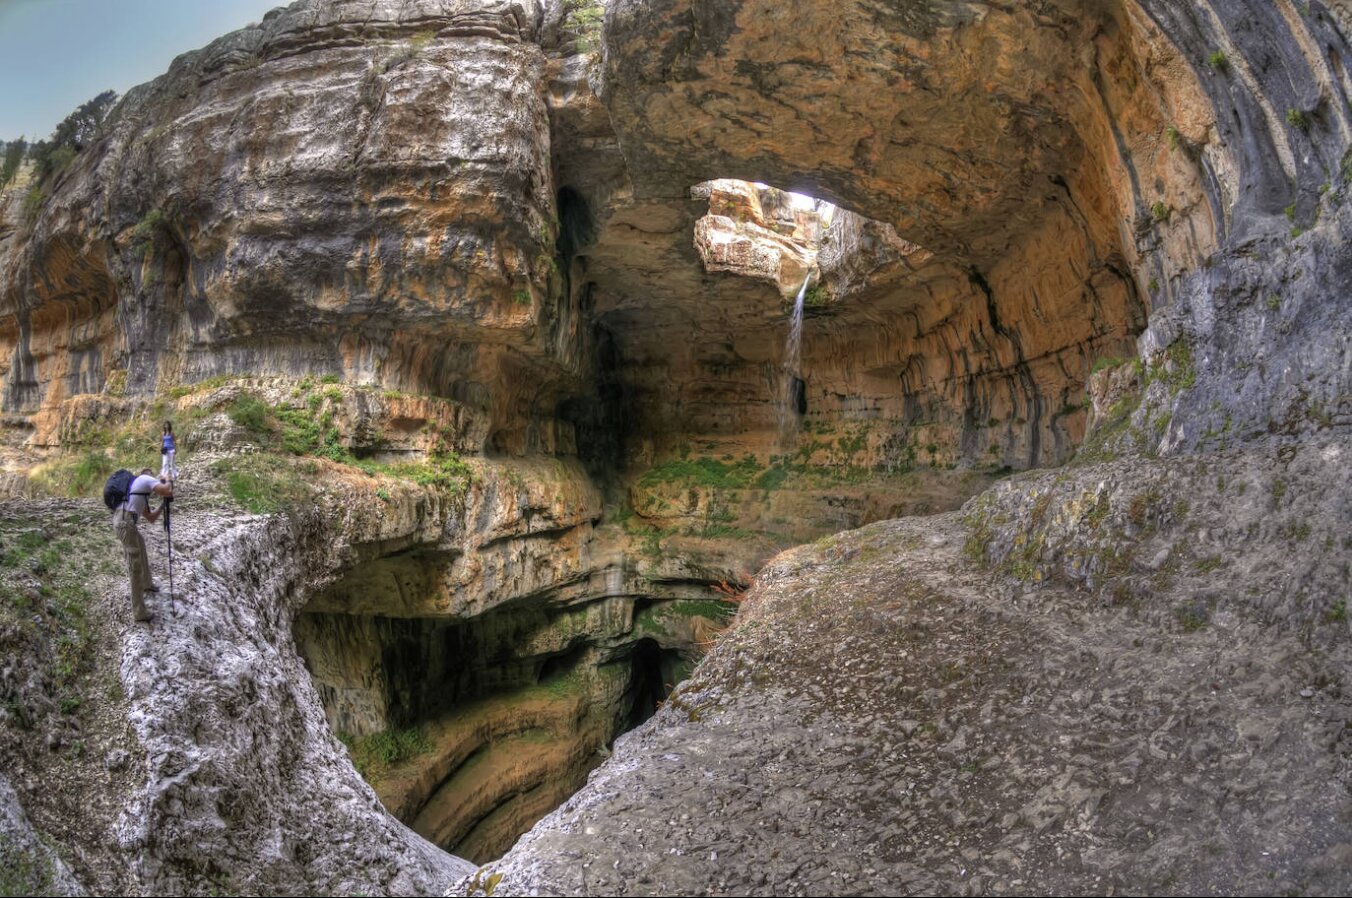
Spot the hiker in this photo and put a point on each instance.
(167, 469)
(128, 497)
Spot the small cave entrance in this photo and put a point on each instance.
(655, 671)
(798, 396)
(471, 729)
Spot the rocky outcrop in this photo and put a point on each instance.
(734, 237)
(516, 639)
(407, 230)
(281, 202)
(241, 773)
(888, 715)
(30, 866)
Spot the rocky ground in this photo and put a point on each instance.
(65, 738)
(190, 755)
(892, 716)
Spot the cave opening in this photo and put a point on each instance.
(760, 232)
(655, 672)
(473, 726)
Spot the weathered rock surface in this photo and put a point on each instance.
(477, 219)
(242, 774)
(30, 866)
(887, 717)
(345, 188)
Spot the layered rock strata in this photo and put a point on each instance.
(476, 218)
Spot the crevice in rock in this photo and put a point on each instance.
(472, 728)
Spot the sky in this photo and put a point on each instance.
(55, 54)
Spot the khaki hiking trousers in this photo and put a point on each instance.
(138, 565)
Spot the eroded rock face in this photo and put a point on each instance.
(477, 217)
(1100, 156)
(734, 237)
(518, 642)
(889, 715)
(344, 188)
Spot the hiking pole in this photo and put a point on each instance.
(169, 537)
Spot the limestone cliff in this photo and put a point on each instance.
(473, 314)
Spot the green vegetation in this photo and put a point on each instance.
(1159, 211)
(421, 39)
(46, 612)
(1172, 135)
(1297, 119)
(1207, 565)
(32, 203)
(1102, 443)
(1278, 491)
(1104, 363)
(1098, 513)
(1290, 212)
(380, 751)
(1190, 617)
(210, 383)
(1274, 302)
(249, 412)
(442, 469)
(1338, 613)
(13, 158)
(100, 449)
(521, 297)
(61, 590)
(263, 483)
(816, 297)
(1219, 61)
(708, 472)
(75, 132)
(308, 428)
(584, 18)
(772, 478)
(146, 236)
(60, 159)
(1174, 367)
(24, 871)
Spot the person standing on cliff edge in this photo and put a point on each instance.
(125, 517)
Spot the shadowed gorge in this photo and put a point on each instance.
(758, 447)
(507, 710)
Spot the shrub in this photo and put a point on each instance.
(145, 236)
(816, 297)
(1297, 119)
(14, 153)
(60, 158)
(385, 749)
(32, 203)
(1219, 61)
(249, 412)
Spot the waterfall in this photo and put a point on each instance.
(791, 385)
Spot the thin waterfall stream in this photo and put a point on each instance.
(791, 384)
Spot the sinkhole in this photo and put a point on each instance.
(761, 232)
(473, 727)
